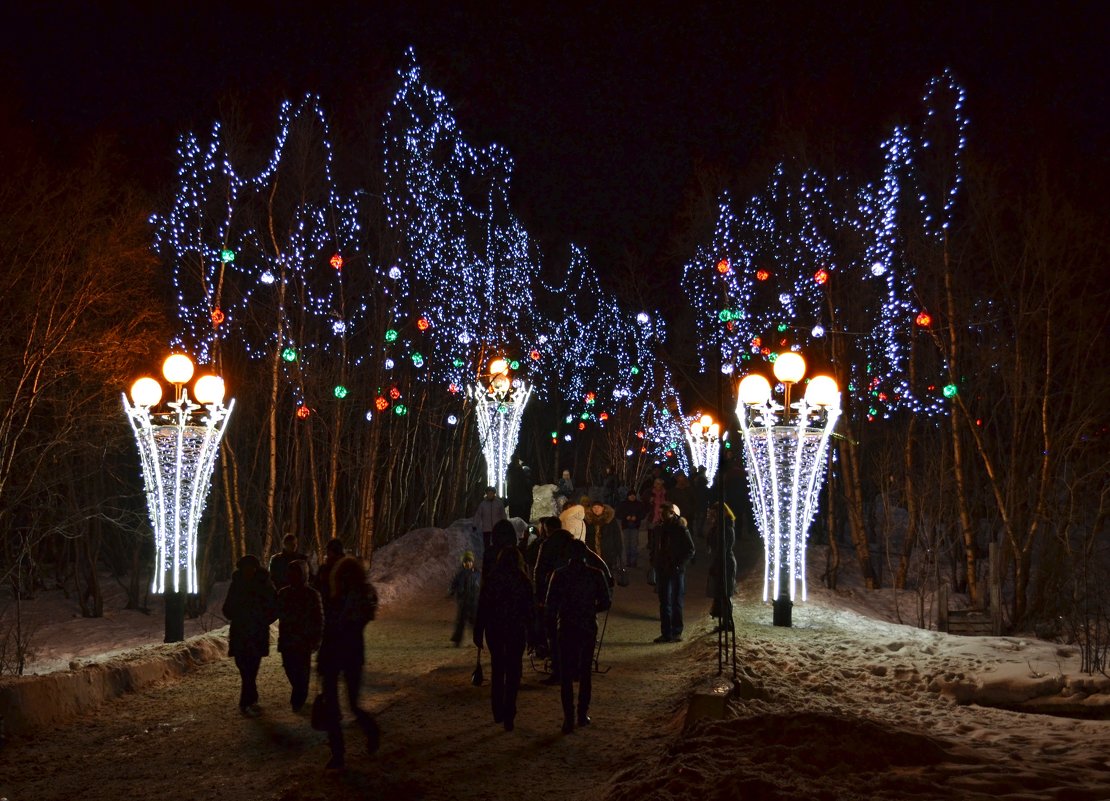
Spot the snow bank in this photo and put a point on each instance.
(421, 561)
(33, 702)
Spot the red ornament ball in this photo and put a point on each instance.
(723, 267)
(762, 275)
(303, 412)
(924, 319)
(336, 261)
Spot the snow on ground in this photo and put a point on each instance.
(845, 704)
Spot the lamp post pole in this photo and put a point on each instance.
(178, 450)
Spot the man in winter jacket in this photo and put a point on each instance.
(279, 562)
(673, 550)
(577, 593)
(630, 512)
(489, 511)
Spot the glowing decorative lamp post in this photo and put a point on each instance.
(500, 401)
(704, 439)
(178, 450)
(784, 452)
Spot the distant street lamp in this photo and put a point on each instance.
(784, 452)
(500, 401)
(705, 447)
(178, 450)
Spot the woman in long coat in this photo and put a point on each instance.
(504, 614)
(251, 607)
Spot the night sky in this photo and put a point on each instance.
(615, 113)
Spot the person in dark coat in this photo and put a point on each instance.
(333, 552)
(700, 487)
(630, 513)
(251, 607)
(503, 534)
(722, 563)
(504, 613)
(578, 591)
(674, 548)
(300, 626)
(547, 526)
(464, 589)
(350, 605)
(603, 534)
(518, 486)
(279, 562)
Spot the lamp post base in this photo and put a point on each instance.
(783, 608)
(175, 616)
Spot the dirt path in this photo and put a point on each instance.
(186, 740)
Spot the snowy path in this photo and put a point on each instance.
(186, 740)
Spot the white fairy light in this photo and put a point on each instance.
(178, 454)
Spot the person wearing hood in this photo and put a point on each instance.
(250, 606)
(603, 534)
(502, 623)
(573, 519)
(674, 549)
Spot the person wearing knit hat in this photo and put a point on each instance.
(464, 589)
(674, 550)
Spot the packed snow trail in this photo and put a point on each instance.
(186, 740)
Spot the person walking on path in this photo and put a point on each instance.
(350, 605)
(490, 510)
(333, 552)
(300, 626)
(279, 562)
(251, 607)
(504, 614)
(464, 589)
(577, 593)
(518, 486)
(673, 550)
(630, 513)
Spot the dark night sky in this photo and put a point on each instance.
(606, 108)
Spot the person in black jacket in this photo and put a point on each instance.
(251, 607)
(504, 612)
(673, 550)
(577, 593)
(300, 625)
(630, 512)
(351, 604)
(279, 562)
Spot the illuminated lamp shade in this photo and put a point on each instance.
(822, 391)
(754, 390)
(789, 367)
(706, 421)
(178, 369)
(498, 366)
(500, 384)
(714, 431)
(209, 389)
(146, 392)
(695, 428)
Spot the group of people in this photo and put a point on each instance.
(322, 614)
(544, 594)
